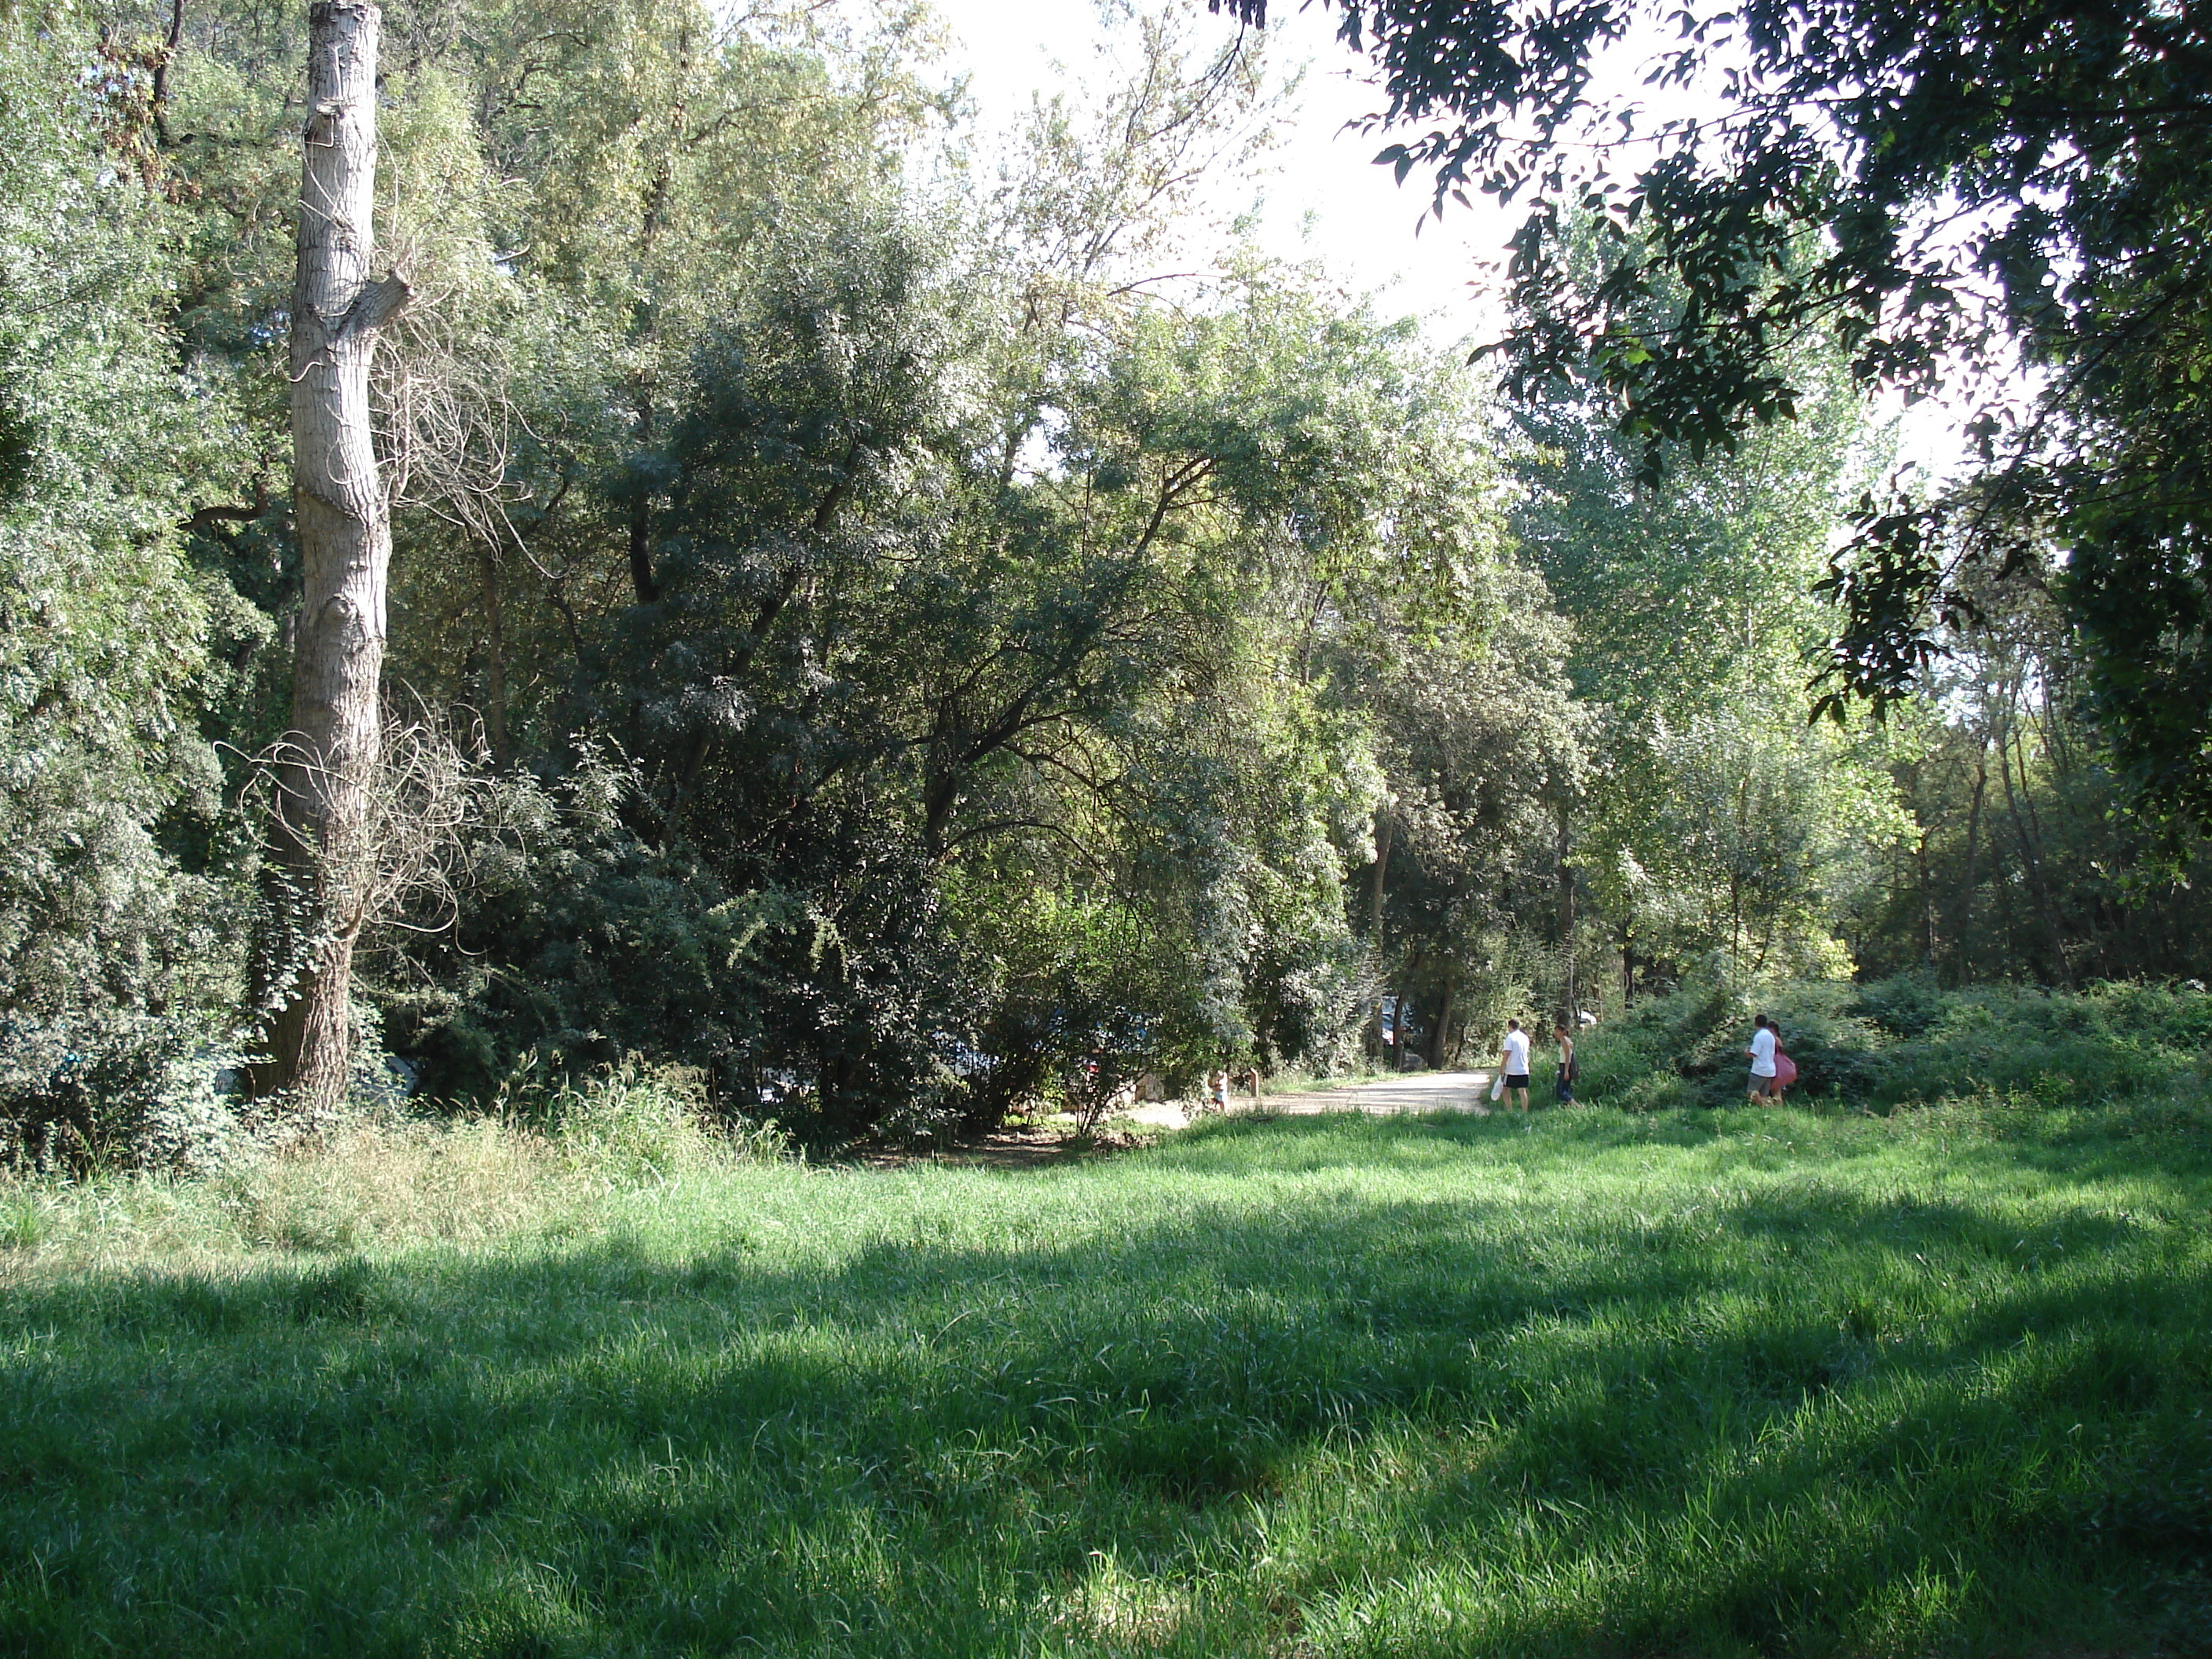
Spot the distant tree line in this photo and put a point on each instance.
(866, 623)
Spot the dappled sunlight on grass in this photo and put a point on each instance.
(1741, 1383)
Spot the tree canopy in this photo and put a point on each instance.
(1997, 204)
(913, 626)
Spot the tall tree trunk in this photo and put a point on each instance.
(318, 852)
(1736, 921)
(642, 580)
(1374, 1044)
(645, 321)
(2030, 860)
(159, 101)
(1439, 1032)
(1570, 999)
(1927, 902)
(494, 659)
(2040, 865)
(1973, 867)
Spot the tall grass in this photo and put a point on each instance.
(544, 1160)
(1721, 1382)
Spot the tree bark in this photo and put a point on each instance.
(1926, 901)
(159, 101)
(502, 751)
(2030, 860)
(642, 580)
(318, 855)
(1382, 831)
(1571, 998)
(645, 322)
(1966, 952)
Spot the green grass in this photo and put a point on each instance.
(1700, 1383)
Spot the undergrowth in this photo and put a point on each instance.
(1903, 1042)
(545, 1160)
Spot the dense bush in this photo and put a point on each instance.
(847, 989)
(1903, 1041)
(125, 1090)
(586, 934)
(2106, 1042)
(105, 631)
(118, 1089)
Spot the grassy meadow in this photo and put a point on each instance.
(1684, 1383)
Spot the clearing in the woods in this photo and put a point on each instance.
(1586, 1382)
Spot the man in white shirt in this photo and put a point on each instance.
(1762, 1059)
(1513, 1064)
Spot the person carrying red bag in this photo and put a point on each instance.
(1768, 1062)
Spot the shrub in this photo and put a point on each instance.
(1902, 1041)
(634, 1124)
(116, 1088)
(581, 939)
(2107, 1041)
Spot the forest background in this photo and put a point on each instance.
(907, 628)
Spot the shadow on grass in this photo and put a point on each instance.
(1440, 1420)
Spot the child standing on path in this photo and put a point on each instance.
(1513, 1064)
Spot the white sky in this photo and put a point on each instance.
(1324, 197)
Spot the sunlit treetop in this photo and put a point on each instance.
(2000, 203)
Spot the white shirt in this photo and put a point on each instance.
(1517, 1053)
(1762, 1053)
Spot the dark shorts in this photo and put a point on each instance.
(1765, 1085)
(1521, 1082)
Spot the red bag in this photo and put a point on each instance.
(1785, 1070)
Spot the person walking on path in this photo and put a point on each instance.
(1564, 1088)
(1763, 1038)
(1513, 1064)
(1216, 1089)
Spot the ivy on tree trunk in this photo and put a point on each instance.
(319, 857)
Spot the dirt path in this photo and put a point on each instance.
(1419, 1091)
(1031, 1147)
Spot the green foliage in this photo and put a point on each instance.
(102, 625)
(1879, 173)
(2023, 862)
(1483, 748)
(1704, 1383)
(118, 1089)
(1903, 1042)
(605, 944)
(923, 660)
(1711, 818)
(1082, 999)
(868, 658)
(581, 941)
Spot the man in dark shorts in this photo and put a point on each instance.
(1513, 1064)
